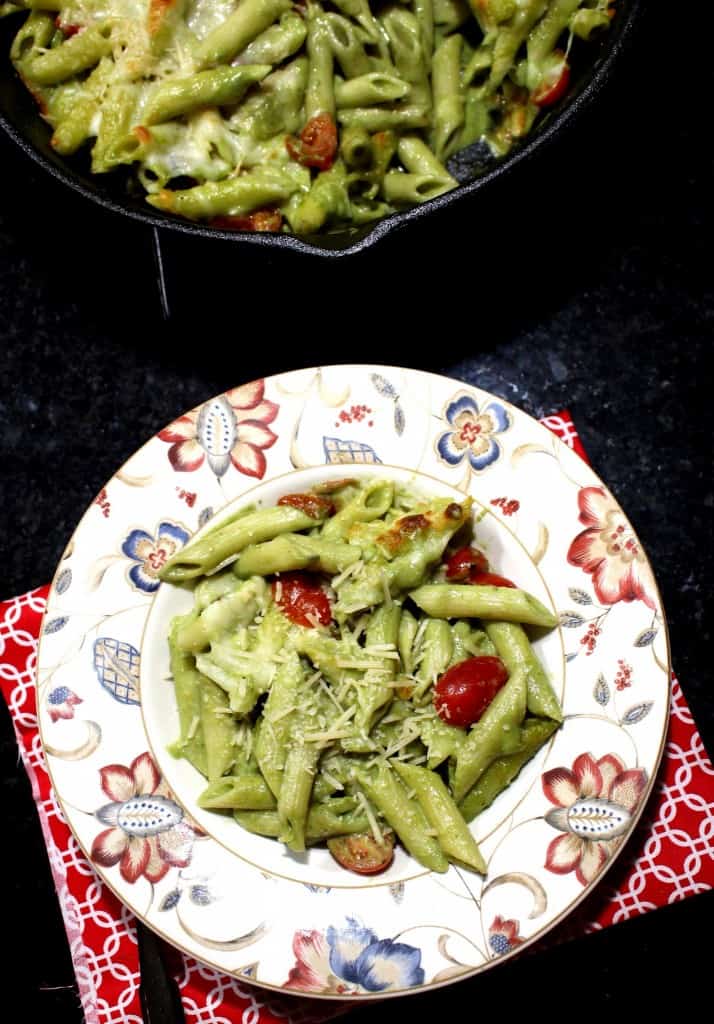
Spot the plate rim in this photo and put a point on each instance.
(468, 972)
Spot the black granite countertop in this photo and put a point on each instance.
(582, 281)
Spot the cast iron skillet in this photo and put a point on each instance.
(473, 167)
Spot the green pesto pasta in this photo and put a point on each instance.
(307, 674)
(300, 117)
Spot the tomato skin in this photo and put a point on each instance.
(330, 486)
(462, 564)
(362, 853)
(491, 579)
(465, 690)
(311, 504)
(67, 30)
(469, 565)
(258, 220)
(317, 145)
(302, 599)
(554, 85)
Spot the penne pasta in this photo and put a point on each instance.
(311, 674)
(294, 117)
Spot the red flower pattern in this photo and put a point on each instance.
(504, 935)
(151, 855)
(606, 779)
(244, 413)
(608, 550)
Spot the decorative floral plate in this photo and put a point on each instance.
(301, 923)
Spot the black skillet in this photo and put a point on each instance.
(474, 167)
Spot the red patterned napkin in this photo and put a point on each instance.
(670, 856)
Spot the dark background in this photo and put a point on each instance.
(583, 280)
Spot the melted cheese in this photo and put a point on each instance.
(205, 15)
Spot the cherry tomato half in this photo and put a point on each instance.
(463, 562)
(465, 690)
(317, 145)
(491, 579)
(311, 504)
(362, 853)
(555, 82)
(302, 599)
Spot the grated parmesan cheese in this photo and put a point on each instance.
(335, 783)
(344, 689)
(281, 714)
(419, 658)
(419, 636)
(330, 694)
(324, 739)
(408, 735)
(391, 719)
(223, 565)
(370, 816)
(363, 666)
(344, 717)
(335, 732)
(354, 568)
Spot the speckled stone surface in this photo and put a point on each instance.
(583, 281)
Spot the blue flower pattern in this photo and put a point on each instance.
(359, 957)
(472, 433)
(151, 553)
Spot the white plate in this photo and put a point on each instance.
(241, 902)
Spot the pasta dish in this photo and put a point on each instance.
(269, 115)
(354, 672)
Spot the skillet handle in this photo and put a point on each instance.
(158, 993)
(160, 274)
